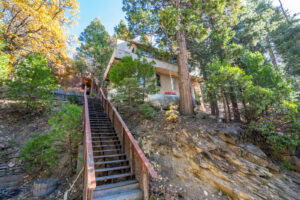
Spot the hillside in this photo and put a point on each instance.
(199, 158)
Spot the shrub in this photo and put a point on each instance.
(172, 114)
(32, 82)
(133, 79)
(39, 153)
(280, 142)
(147, 110)
(43, 151)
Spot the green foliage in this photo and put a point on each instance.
(66, 122)
(147, 110)
(42, 152)
(133, 79)
(4, 67)
(32, 81)
(94, 51)
(280, 142)
(122, 32)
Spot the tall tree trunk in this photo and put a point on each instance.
(186, 101)
(284, 13)
(272, 55)
(216, 107)
(236, 112)
(225, 106)
(228, 106)
(201, 99)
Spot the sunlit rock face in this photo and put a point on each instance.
(204, 157)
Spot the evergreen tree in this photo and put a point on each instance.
(121, 31)
(133, 79)
(95, 50)
(171, 21)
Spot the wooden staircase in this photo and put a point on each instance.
(115, 179)
(115, 167)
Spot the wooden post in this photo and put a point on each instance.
(145, 182)
(131, 157)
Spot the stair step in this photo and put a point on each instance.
(112, 169)
(115, 188)
(105, 133)
(103, 178)
(110, 162)
(103, 138)
(109, 141)
(110, 156)
(115, 185)
(107, 150)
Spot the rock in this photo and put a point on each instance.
(273, 168)
(255, 150)
(202, 116)
(255, 155)
(296, 163)
(176, 152)
(231, 135)
(11, 181)
(11, 164)
(205, 193)
(44, 187)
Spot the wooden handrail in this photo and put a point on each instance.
(140, 153)
(89, 175)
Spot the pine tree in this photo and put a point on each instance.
(121, 31)
(172, 22)
(95, 50)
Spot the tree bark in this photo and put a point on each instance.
(186, 101)
(228, 106)
(225, 106)
(236, 112)
(201, 99)
(272, 55)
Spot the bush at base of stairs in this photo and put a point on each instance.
(43, 151)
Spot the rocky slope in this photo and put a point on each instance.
(200, 158)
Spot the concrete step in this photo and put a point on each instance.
(128, 195)
(115, 188)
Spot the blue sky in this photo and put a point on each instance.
(109, 11)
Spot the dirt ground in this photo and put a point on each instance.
(194, 160)
(17, 126)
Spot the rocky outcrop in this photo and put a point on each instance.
(201, 156)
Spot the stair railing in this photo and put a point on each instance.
(89, 171)
(139, 164)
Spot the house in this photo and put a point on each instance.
(166, 70)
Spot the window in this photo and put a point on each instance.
(158, 80)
